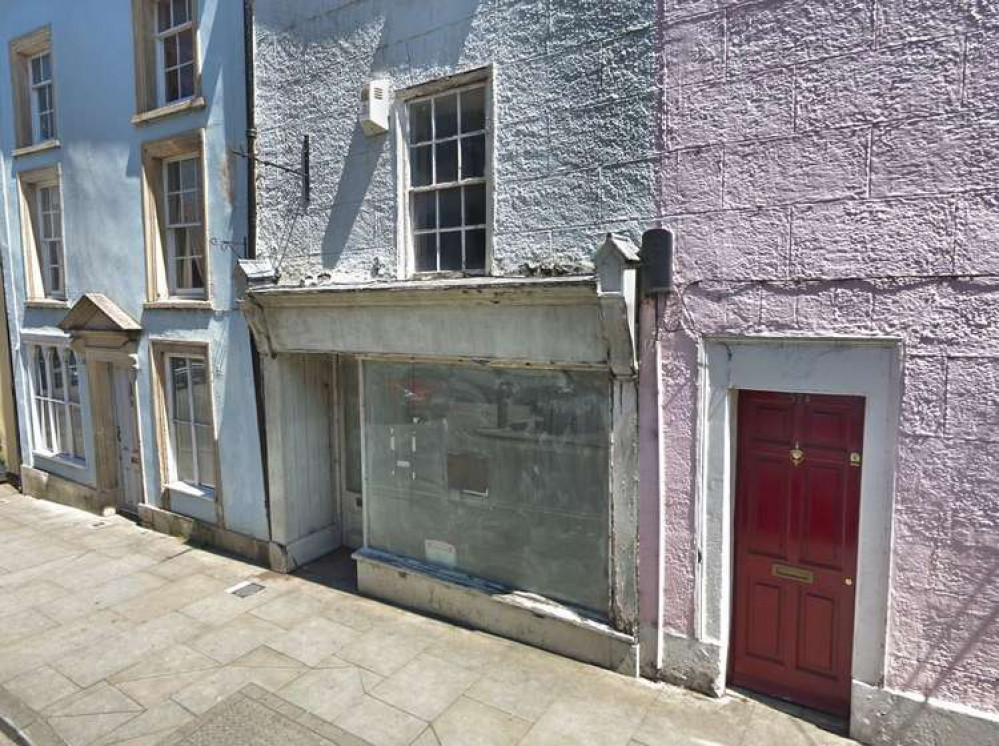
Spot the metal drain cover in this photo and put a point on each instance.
(244, 589)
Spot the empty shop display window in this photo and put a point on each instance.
(498, 473)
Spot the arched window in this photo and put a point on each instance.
(58, 403)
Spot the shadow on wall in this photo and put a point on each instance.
(403, 21)
(981, 633)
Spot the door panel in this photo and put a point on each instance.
(797, 510)
(129, 458)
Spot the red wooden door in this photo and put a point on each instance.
(797, 511)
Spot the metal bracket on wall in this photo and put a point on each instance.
(303, 172)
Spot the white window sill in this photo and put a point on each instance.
(46, 303)
(178, 107)
(38, 147)
(184, 489)
(55, 458)
(179, 304)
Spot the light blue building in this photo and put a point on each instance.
(124, 215)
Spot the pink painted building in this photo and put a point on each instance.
(830, 174)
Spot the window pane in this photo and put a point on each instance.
(450, 201)
(181, 12)
(185, 46)
(74, 378)
(41, 370)
(473, 156)
(206, 456)
(475, 205)
(199, 385)
(58, 382)
(473, 110)
(446, 116)
(421, 165)
(45, 195)
(197, 274)
(426, 252)
(538, 442)
(350, 398)
(36, 70)
(189, 176)
(451, 250)
(172, 85)
(163, 15)
(419, 122)
(76, 419)
(475, 249)
(178, 377)
(55, 276)
(46, 67)
(64, 430)
(186, 81)
(447, 161)
(48, 435)
(170, 51)
(46, 126)
(191, 207)
(173, 176)
(184, 453)
(425, 210)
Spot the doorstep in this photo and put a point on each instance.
(520, 616)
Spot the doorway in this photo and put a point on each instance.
(797, 511)
(128, 455)
(349, 444)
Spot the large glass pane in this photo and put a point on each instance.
(206, 456)
(41, 372)
(183, 453)
(199, 385)
(178, 379)
(473, 110)
(446, 116)
(419, 122)
(351, 407)
(58, 380)
(74, 378)
(501, 474)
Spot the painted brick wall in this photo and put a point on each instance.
(575, 105)
(810, 148)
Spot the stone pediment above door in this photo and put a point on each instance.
(102, 330)
(95, 312)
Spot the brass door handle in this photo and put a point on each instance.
(847, 581)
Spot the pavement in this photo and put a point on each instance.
(113, 634)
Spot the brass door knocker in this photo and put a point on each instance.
(797, 455)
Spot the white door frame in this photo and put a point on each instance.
(844, 366)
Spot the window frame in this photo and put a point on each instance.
(46, 407)
(192, 423)
(160, 39)
(170, 228)
(38, 288)
(44, 242)
(162, 351)
(160, 281)
(36, 110)
(479, 78)
(150, 70)
(23, 50)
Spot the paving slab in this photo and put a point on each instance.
(118, 636)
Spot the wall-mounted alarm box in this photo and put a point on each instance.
(375, 107)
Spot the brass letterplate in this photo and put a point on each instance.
(788, 572)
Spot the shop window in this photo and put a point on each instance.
(449, 181)
(499, 473)
(56, 378)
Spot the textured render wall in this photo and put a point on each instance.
(575, 102)
(809, 148)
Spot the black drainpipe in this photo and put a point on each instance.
(251, 236)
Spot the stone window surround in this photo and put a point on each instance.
(154, 154)
(28, 183)
(175, 496)
(147, 83)
(400, 115)
(22, 49)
